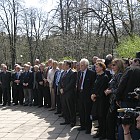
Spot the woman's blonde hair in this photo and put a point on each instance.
(119, 63)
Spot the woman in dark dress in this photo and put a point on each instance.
(99, 97)
(118, 68)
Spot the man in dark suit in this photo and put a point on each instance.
(17, 86)
(5, 79)
(67, 89)
(85, 84)
(27, 83)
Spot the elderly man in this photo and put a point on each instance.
(85, 84)
(17, 86)
(5, 79)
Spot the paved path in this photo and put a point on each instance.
(32, 123)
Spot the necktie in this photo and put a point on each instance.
(80, 80)
(17, 75)
(64, 74)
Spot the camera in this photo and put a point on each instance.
(136, 92)
(128, 116)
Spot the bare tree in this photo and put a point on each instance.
(9, 17)
(35, 27)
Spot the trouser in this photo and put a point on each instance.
(69, 113)
(76, 103)
(27, 96)
(102, 126)
(102, 109)
(85, 107)
(52, 98)
(6, 95)
(18, 94)
(13, 98)
(0, 94)
(57, 97)
(111, 125)
(41, 96)
(47, 101)
(35, 96)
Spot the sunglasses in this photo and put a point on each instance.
(113, 64)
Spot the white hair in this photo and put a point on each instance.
(85, 61)
(109, 56)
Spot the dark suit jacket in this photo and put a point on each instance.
(5, 79)
(27, 78)
(129, 81)
(100, 106)
(68, 83)
(39, 78)
(88, 83)
(14, 77)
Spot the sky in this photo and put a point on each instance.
(46, 5)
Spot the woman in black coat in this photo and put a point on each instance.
(118, 68)
(99, 97)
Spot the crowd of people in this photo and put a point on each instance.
(91, 92)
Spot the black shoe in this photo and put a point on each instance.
(25, 105)
(60, 115)
(9, 104)
(52, 109)
(57, 113)
(81, 128)
(64, 123)
(88, 132)
(102, 138)
(3, 104)
(97, 135)
(15, 104)
(40, 106)
(30, 105)
(48, 106)
(72, 124)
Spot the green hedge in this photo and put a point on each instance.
(128, 47)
